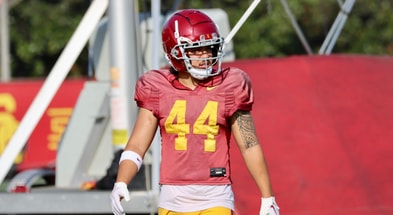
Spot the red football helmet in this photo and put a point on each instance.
(192, 29)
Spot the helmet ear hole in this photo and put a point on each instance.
(174, 52)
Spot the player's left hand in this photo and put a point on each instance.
(119, 192)
(269, 206)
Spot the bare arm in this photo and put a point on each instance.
(243, 129)
(139, 142)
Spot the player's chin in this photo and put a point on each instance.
(204, 66)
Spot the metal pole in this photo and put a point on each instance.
(241, 21)
(336, 28)
(330, 34)
(297, 28)
(126, 61)
(4, 42)
(156, 146)
(345, 11)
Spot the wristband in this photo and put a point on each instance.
(132, 156)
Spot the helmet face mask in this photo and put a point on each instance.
(191, 30)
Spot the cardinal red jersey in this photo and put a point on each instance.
(194, 124)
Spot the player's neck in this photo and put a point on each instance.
(187, 80)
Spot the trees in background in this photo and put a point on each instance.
(40, 29)
(268, 31)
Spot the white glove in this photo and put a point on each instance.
(119, 192)
(269, 206)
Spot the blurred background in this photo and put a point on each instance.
(39, 29)
(324, 117)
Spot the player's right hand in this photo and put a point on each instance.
(119, 192)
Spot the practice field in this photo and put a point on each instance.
(325, 124)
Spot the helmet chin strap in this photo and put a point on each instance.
(200, 74)
(197, 73)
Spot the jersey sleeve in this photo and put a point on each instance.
(241, 96)
(146, 94)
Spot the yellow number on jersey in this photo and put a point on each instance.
(176, 124)
(208, 114)
(206, 124)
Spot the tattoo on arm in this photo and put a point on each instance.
(246, 127)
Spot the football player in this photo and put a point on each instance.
(197, 105)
